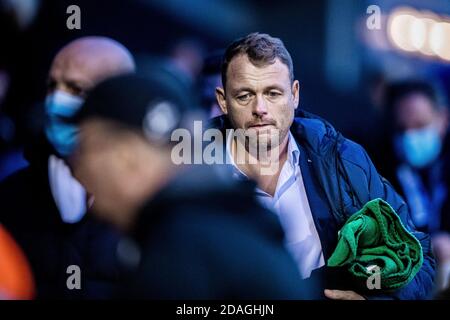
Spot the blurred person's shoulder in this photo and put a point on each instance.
(33, 175)
(26, 193)
(13, 192)
(36, 153)
(321, 138)
(207, 201)
(18, 180)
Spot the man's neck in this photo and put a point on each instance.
(264, 171)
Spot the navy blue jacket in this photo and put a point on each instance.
(339, 179)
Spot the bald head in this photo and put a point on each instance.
(84, 62)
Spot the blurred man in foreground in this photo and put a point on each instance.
(199, 234)
(419, 162)
(43, 205)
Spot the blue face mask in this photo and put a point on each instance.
(60, 107)
(419, 147)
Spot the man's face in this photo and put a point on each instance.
(261, 98)
(113, 165)
(76, 69)
(416, 111)
(99, 165)
(73, 74)
(67, 87)
(421, 129)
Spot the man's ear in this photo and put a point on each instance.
(220, 96)
(296, 93)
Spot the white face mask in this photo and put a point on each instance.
(68, 193)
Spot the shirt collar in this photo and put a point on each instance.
(293, 151)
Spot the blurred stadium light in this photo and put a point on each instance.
(421, 32)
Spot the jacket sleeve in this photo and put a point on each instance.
(421, 285)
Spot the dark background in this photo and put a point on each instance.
(336, 67)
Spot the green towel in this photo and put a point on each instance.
(376, 236)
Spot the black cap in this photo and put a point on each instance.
(155, 104)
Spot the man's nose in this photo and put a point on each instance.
(260, 106)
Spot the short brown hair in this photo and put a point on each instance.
(261, 49)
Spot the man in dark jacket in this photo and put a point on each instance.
(418, 164)
(419, 161)
(43, 205)
(320, 178)
(197, 233)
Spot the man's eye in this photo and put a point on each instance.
(75, 90)
(243, 97)
(274, 94)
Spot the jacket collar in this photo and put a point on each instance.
(318, 134)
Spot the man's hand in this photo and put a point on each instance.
(342, 295)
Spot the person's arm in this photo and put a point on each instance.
(421, 285)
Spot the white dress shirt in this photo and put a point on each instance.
(291, 205)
